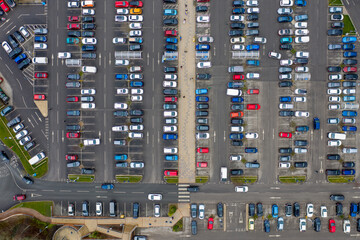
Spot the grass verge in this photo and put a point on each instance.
(43, 207)
(129, 179)
(341, 179)
(244, 179)
(81, 178)
(335, 3)
(178, 227)
(171, 179)
(8, 138)
(172, 210)
(202, 179)
(348, 26)
(292, 179)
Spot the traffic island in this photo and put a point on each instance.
(202, 179)
(341, 179)
(178, 227)
(292, 179)
(43, 107)
(129, 178)
(349, 28)
(335, 3)
(81, 178)
(171, 179)
(244, 179)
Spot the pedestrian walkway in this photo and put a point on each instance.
(186, 85)
(183, 193)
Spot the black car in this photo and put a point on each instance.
(193, 210)
(286, 113)
(18, 37)
(168, 91)
(1, 12)
(14, 121)
(135, 47)
(169, 1)
(252, 17)
(337, 197)
(170, 47)
(73, 76)
(237, 106)
(251, 209)
(170, 22)
(27, 180)
(237, 143)
(170, 69)
(350, 76)
(266, 225)
(333, 157)
(4, 157)
(87, 171)
(88, 19)
(236, 33)
(136, 120)
(296, 209)
(202, 106)
(201, 8)
(237, 121)
(121, 113)
(193, 227)
(193, 189)
(300, 143)
(24, 64)
(301, 61)
(358, 225)
(29, 145)
(334, 32)
(339, 209)
(259, 209)
(136, 112)
(288, 210)
(317, 224)
(285, 150)
(88, 26)
(88, 55)
(285, 47)
(16, 52)
(300, 164)
(253, 25)
(350, 61)
(237, 26)
(203, 76)
(220, 210)
(88, 47)
(337, 25)
(236, 172)
(74, 34)
(12, 41)
(332, 172)
(136, 210)
(348, 164)
(88, 34)
(285, 84)
(334, 69)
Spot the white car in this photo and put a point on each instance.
(90, 142)
(302, 25)
(334, 99)
(136, 76)
(89, 12)
(92, 41)
(135, 69)
(274, 55)
(251, 135)
(284, 11)
(348, 91)
(238, 47)
(346, 226)
(334, 106)
(300, 150)
(237, 18)
(24, 140)
(98, 208)
(252, 3)
(170, 76)
(171, 150)
(137, 91)
(237, 40)
(64, 55)
(135, 25)
(121, 62)
(287, 62)
(88, 105)
(18, 127)
(170, 128)
(154, 196)
(202, 135)
(138, 127)
(201, 211)
(286, 3)
(323, 211)
(170, 113)
(135, 135)
(117, 40)
(253, 10)
(302, 225)
(300, 91)
(136, 18)
(261, 40)
(204, 65)
(299, 99)
(21, 134)
(73, 4)
(309, 210)
(334, 77)
(171, 84)
(334, 91)
(89, 69)
(90, 91)
(6, 47)
(120, 106)
(253, 75)
(157, 210)
(332, 18)
(301, 54)
(301, 32)
(304, 39)
(122, 11)
(40, 46)
(136, 98)
(334, 143)
(203, 19)
(285, 76)
(120, 18)
(251, 224)
(122, 91)
(137, 165)
(286, 106)
(241, 189)
(24, 32)
(301, 69)
(284, 165)
(301, 114)
(206, 39)
(135, 33)
(235, 157)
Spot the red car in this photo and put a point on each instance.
(173, 173)
(136, 4)
(203, 0)
(202, 150)
(74, 19)
(210, 223)
(73, 26)
(41, 75)
(72, 135)
(202, 164)
(72, 157)
(349, 69)
(19, 197)
(4, 6)
(39, 97)
(121, 4)
(285, 134)
(253, 107)
(170, 99)
(253, 91)
(238, 77)
(72, 99)
(332, 227)
(236, 114)
(170, 33)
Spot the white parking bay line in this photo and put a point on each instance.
(275, 197)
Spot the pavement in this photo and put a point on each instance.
(186, 87)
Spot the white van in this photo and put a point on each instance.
(37, 158)
(88, 69)
(337, 136)
(40, 60)
(223, 174)
(135, 135)
(233, 92)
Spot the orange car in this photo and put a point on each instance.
(135, 11)
(236, 114)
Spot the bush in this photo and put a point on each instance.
(178, 227)
(172, 210)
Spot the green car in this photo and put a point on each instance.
(71, 40)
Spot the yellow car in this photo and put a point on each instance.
(251, 224)
(136, 11)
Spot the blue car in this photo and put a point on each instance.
(40, 39)
(275, 211)
(236, 136)
(171, 47)
(251, 150)
(316, 123)
(349, 128)
(171, 157)
(349, 39)
(121, 157)
(353, 209)
(202, 99)
(235, 84)
(283, 19)
(285, 99)
(253, 62)
(170, 136)
(171, 40)
(121, 76)
(348, 172)
(136, 84)
(201, 91)
(237, 99)
(348, 113)
(285, 40)
(170, 12)
(350, 54)
(300, 3)
(348, 46)
(266, 225)
(252, 47)
(19, 58)
(301, 18)
(238, 11)
(202, 47)
(107, 186)
(302, 128)
(349, 98)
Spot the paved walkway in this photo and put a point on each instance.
(186, 84)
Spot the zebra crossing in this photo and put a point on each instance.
(183, 194)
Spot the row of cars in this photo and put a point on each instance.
(198, 211)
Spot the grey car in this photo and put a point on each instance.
(120, 142)
(252, 165)
(87, 171)
(252, 32)
(348, 84)
(300, 143)
(285, 70)
(121, 165)
(334, 46)
(193, 210)
(73, 164)
(202, 128)
(202, 120)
